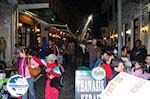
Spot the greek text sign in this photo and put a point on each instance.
(86, 87)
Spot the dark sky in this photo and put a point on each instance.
(79, 10)
(74, 12)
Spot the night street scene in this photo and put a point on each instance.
(74, 49)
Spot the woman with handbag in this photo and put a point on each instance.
(52, 73)
(23, 67)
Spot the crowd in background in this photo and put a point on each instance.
(80, 53)
(135, 61)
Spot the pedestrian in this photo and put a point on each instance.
(99, 60)
(24, 71)
(16, 54)
(78, 54)
(2, 48)
(139, 71)
(107, 57)
(71, 52)
(138, 52)
(43, 48)
(83, 46)
(93, 53)
(117, 66)
(3, 65)
(50, 91)
(147, 65)
(52, 73)
(125, 58)
(51, 48)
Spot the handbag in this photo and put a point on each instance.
(57, 82)
(34, 71)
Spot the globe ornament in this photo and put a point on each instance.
(98, 73)
(17, 85)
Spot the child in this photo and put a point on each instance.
(117, 66)
(138, 70)
(52, 72)
(51, 92)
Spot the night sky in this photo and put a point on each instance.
(74, 13)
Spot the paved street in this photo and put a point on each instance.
(67, 92)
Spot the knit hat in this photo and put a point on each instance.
(51, 57)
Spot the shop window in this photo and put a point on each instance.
(127, 35)
(24, 35)
(136, 29)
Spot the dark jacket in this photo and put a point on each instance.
(138, 53)
(147, 68)
(78, 51)
(114, 73)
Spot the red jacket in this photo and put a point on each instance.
(108, 71)
(52, 66)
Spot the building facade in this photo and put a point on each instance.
(6, 29)
(135, 22)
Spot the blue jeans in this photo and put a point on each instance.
(31, 89)
(98, 62)
(92, 63)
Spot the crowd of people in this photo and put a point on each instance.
(45, 58)
(135, 61)
(49, 56)
(53, 55)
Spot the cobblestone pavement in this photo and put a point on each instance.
(67, 92)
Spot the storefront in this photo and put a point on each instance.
(127, 35)
(145, 30)
(59, 37)
(29, 31)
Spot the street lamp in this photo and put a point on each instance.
(20, 24)
(90, 17)
(128, 32)
(37, 30)
(144, 29)
(85, 27)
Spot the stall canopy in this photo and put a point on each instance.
(70, 12)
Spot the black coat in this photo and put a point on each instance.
(138, 54)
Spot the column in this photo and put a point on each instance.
(148, 43)
(119, 28)
(124, 35)
(13, 26)
(132, 34)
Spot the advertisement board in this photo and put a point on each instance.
(126, 86)
(86, 87)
